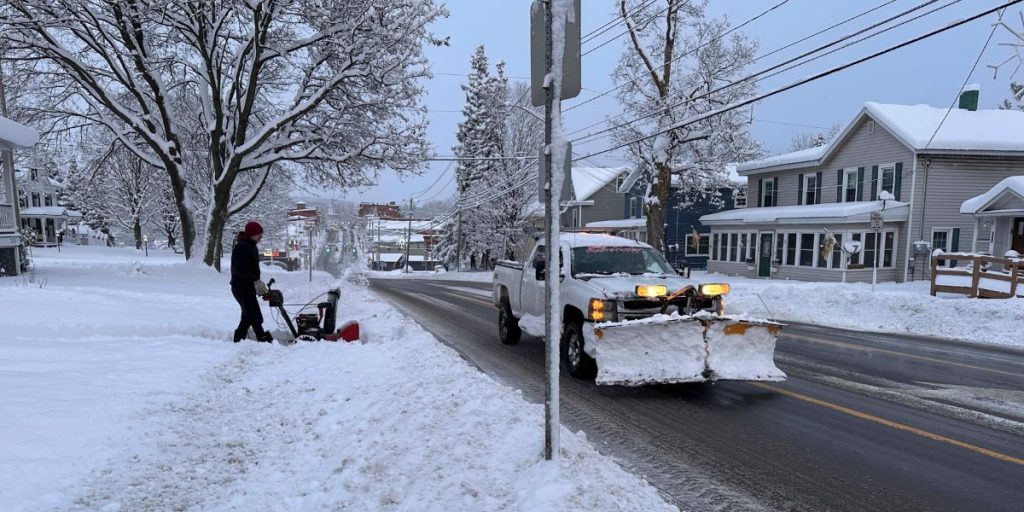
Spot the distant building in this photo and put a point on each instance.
(380, 210)
(12, 135)
(38, 208)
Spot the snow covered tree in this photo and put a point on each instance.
(807, 140)
(330, 88)
(676, 56)
(1017, 92)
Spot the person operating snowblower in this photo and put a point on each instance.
(246, 284)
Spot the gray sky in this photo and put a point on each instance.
(929, 72)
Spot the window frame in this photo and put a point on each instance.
(705, 243)
(767, 192)
(847, 173)
(810, 188)
(739, 199)
(882, 168)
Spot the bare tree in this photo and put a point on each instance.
(330, 87)
(675, 57)
(807, 140)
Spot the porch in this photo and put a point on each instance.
(998, 219)
(48, 222)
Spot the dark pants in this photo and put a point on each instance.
(251, 314)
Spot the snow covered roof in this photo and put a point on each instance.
(586, 181)
(14, 134)
(914, 125)
(48, 211)
(1012, 186)
(619, 223)
(852, 212)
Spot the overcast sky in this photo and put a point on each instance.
(931, 71)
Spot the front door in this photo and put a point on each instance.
(1017, 241)
(764, 254)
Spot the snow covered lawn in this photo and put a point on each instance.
(122, 393)
(894, 307)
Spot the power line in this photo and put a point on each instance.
(445, 171)
(776, 67)
(645, 22)
(836, 69)
(610, 24)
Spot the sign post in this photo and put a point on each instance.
(548, 81)
(876, 225)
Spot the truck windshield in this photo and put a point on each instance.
(607, 260)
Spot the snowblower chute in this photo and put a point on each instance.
(666, 349)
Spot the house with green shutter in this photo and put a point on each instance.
(911, 167)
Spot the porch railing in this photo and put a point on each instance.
(977, 275)
(7, 217)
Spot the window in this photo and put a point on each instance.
(48, 200)
(22, 200)
(890, 245)
(780, 243)
(806, 249)
(618, 183)
(35, 198)
(820, 244)
(636, 208)
(33, 175)
(850, 185)
(837, 251)
(739, 199)
(751, 247)
(703, 246)
(856, 259)
(733, 244)
(870, 247)
(791, 249)
(810, 189)
(714, 247)
(945, 239)
(887, 178)
(768, 192)
(723, 248)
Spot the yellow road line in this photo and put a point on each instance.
(894, 352)
(892, 424)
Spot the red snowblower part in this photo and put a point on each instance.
(349, 332)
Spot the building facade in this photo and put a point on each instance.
(12, 136)
(910, 167)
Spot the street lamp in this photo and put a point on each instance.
(145, 241)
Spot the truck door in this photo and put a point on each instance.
(531, 291)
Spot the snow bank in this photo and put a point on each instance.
(109, 405)
(902, 308)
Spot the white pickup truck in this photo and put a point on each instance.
(628, 318)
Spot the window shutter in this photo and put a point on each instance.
(860, 183)
(897, 180)
(817, 188)
(874, 182)
(839, 186)
(775, 191)
(760, 188)
(954, 246)
(799, 189)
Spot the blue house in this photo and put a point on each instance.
(683, 218)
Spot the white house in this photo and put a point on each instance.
(12, 135)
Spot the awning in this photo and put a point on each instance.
(857, 212)
(619, 223)
(1006, 197)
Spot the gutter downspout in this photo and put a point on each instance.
(910, 219)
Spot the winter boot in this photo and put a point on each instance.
(265, 337)
(241, 334)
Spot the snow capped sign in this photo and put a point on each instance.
(876, 221)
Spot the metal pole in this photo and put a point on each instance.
(310, 251)
(551, 329)
(874, 271)
(408, 237)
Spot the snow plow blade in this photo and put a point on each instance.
(674, 349)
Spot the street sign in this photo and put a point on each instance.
(876, 221)
(566, 176)
(570, 57)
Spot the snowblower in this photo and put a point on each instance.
(313, 326)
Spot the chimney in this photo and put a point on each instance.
(300, 205)
(969, 97)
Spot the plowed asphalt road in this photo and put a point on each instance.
(864, 421)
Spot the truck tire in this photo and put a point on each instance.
(579, 364)
(508, 327)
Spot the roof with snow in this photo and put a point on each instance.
(1007, 195)
(16, 135)
(48, 211)
(963, 130)
(851, 212)
(586, 181)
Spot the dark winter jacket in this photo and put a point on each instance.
(245, 265)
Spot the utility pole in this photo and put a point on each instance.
(408, 237)
(458, 233)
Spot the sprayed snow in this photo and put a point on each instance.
(133, 400)
(1013, 185)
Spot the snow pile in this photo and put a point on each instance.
(902, 308)
(130, 398)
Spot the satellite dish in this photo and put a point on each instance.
(851, 246)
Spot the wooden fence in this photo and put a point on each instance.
(1002, 279)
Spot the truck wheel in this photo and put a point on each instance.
(579, 364)
(508, 327)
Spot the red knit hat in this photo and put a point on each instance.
(252, 229)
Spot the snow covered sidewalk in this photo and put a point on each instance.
(103, 410)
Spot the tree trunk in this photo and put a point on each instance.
(215, 225)
(170, 239)
(137, 231)
(188, 225)
(656, 212)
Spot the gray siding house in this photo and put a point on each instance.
(912, 165)
(598, 189)
(12, 135)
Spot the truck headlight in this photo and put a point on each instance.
(602, 310)
(651, 291)
(714, 289)
(597, 310)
